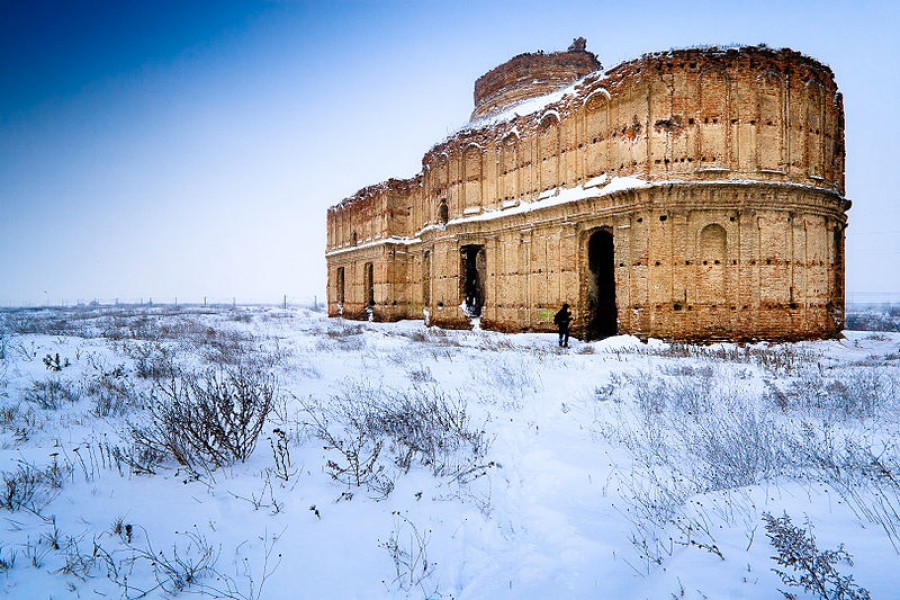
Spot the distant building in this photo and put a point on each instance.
(688, 194)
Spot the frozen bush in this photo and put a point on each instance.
(814, 571)
(735, 447)
(420, 426)
(50, 394)
(859, 393)
(152, 360)
(112, 392)
(208, 421)
(31, 487)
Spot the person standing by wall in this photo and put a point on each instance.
(562, 319)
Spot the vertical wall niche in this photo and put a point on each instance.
(548, 151)
(339, 283)
(508, 165)
(596, 108)
(770, 95)
(473, 175)
(713, 258)
(472, 271)
(601, 319)
(426, 278)
(369, 283)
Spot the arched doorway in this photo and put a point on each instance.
(601, 318)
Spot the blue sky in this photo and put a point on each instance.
(190, 149)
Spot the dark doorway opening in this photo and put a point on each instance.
(472, 281)
(602, 319)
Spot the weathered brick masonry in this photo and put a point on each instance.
(689, 194)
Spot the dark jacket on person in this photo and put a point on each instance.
(562, 318)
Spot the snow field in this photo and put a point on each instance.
(416, 462)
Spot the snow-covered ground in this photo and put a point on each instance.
(401, 461)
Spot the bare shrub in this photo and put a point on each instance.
(859, 393)
(420, 374)
(208, 421)
(408, 548)
(31, 487)
(356, 451)
(51, 393)
(736, 448)
(152, 360)
(814, 571)
(7, 559)
(420, 426)
(111, 391)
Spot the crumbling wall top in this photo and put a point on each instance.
(530, 75)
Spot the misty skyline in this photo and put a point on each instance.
(191, 150)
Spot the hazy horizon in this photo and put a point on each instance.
(191, 150)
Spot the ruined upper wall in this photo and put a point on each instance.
(744, 114)
(531, 75)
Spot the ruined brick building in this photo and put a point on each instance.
(688, 194)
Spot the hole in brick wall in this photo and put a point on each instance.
(663, 217)
(687, 262)
(734, 121)
(640, 219)
(715, 262)
(657, 263)
(705, 262)
(753, 121)
(734, 262)
(621, 264)
(667, 161)
(676, 306)
(690, 121)
(731, 219)
(768, 261)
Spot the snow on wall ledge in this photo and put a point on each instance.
(689, 194)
